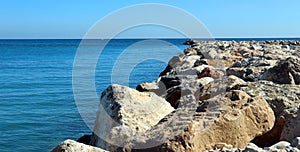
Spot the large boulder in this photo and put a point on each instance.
(284, 99)
(235, 119)
(123, 112)
(180, 63)
(285, 72)
(251, 116)
(73, 146)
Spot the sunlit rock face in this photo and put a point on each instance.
(124, 112)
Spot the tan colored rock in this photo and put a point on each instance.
(234, 119)
(190, 51)
(210, 72)
(157, 88)
(130, 111)
(219, 86)
(73, 146)
(205, 80)
(222, 146)
(243, 119)
(233, 81)
(284, 100)
(218, 63)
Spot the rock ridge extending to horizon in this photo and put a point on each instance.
(217, 95)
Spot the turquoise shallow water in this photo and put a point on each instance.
(37, 107)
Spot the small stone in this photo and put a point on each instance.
(285, 72)
(246, 55)
(190, 51)
(296, 142)
(221, 146)
(210, 72)
(73, 146)
(289, 148)
(285, 47)
(204, 81)
(211, 54)
(255, 47)
(280, 145)
(252, 148)
(237, 64)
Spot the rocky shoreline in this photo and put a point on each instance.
(215, 96)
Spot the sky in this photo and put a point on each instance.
(34, 19)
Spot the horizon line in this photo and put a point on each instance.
(289, 37)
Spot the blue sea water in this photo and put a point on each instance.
(37, 107)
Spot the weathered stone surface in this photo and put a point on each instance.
(130, 112)
(281, 146)
(156, 87)
(204, 81)
(247, 119)
(296, 143)
(73, 146)
(147, 87)
(285, 72)
(214, 62)
(217, 122)
(253, 148)
(213, 109)
(250, 69)
(210, 72)
(172, 63)
(190, 51)
(219, 86)
(285, 101)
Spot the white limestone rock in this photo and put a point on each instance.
(123, 112)
(73, 146)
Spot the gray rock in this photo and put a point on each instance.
(285, 72)
(296, 142)
(210, 54)
(285, 101)
(285, 47)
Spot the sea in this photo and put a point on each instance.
(38, 109)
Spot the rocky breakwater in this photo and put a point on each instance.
(217, 95)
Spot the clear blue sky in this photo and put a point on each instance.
(223, 18)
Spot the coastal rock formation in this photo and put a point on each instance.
(251, 147)
(234, 95)
(285, 72)
(250, 69)
(73, 146)
(285, 102)
(213, 122)
(123, 112)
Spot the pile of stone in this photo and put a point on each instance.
(218, 95)
(281, 146)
